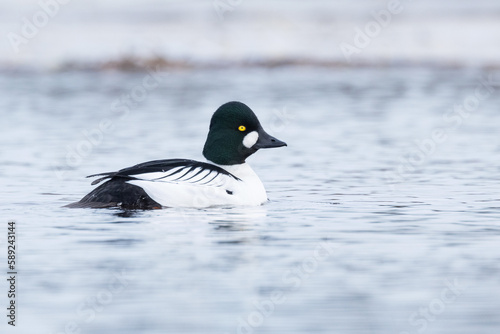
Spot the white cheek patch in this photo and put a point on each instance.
(250, 139)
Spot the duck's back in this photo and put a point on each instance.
(169, 183)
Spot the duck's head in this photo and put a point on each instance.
(235, 134)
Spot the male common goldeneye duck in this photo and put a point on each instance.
(226, 179)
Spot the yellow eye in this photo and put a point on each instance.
(242, 128)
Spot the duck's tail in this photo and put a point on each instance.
(116, 193)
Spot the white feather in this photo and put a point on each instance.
(250, 139)
(222, 190)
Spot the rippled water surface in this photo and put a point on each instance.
(384, 212)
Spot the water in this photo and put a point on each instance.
(345, 245)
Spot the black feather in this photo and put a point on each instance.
(117, 193)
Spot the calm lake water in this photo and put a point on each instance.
(384, 212)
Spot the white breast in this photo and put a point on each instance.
(172, 191)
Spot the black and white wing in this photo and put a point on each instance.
(151, 185)
(172, 170)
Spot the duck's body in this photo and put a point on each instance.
(226, 179)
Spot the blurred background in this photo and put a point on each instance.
(238, 32)
(384, 208)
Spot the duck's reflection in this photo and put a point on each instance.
(219, 224)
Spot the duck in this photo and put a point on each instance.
(224, 179)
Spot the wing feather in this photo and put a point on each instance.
(173, 170)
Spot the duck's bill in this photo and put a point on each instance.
(267, 141)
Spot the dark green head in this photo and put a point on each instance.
(235, 134)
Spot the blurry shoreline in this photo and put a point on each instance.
(188, 35)
(139, 64)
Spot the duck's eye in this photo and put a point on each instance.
(242, 128)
